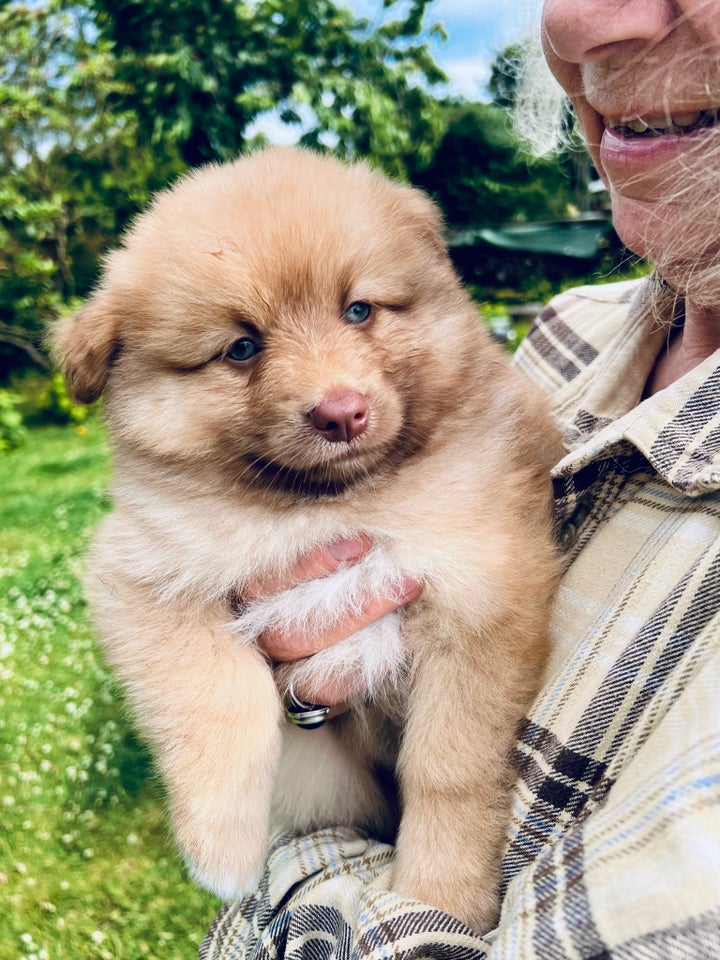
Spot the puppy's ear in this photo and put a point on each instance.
(426, 217)
(86, 345)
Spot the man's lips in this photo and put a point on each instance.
(639, 145)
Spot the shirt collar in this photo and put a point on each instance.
(677, 430)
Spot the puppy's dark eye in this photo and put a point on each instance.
(358, 312)
(242, 350)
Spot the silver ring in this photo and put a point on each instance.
(309, 716)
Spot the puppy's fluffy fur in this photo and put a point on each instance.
(222, 324)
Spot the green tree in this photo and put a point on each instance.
(70, 168)
(479, 175)
(197, 73)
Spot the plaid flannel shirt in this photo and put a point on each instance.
(613, 850)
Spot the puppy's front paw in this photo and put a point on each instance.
(223, 854)
(455, 891)
(222, 879)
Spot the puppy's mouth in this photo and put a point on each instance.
(349, 468)
(303, 484)
(344, 443)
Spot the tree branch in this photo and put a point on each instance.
(17, 338)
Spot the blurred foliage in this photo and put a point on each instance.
(45, 400)
(12, 429)
(479, 175)
(196, 73)
(38, 399)
(71, 168)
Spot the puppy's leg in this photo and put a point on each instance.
(467, 699)
(324, 779)
(211, 712)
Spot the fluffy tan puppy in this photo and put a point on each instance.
(288, 358)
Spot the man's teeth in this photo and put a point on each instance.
(677, 123)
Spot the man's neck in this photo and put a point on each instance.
(688, 343)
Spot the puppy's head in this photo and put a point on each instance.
(284, 322)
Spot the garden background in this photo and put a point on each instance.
(102, 102)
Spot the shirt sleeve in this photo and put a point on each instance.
(325, 897)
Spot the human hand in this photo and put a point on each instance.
(287, 645)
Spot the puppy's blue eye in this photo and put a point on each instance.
(244, 349)
(358, 312)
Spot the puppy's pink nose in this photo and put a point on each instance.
(341, 416)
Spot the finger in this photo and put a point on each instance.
(294, 644)
(333, 693)
(337, 710)
(318, 563)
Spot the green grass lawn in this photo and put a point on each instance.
(87, 866)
